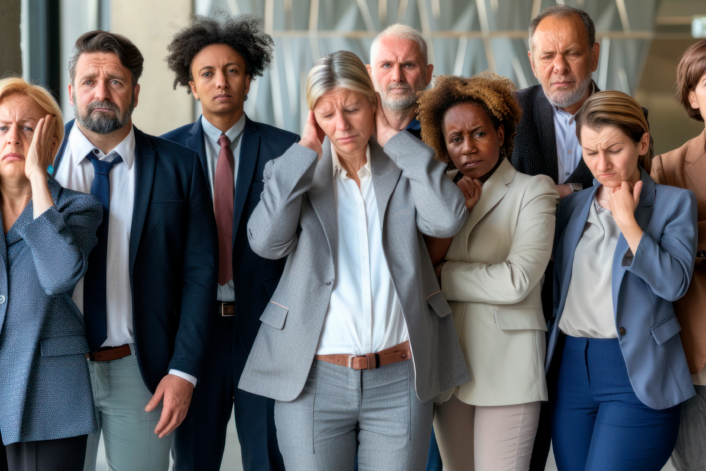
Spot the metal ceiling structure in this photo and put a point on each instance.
(464, 37)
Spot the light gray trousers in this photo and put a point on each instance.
(690, 452)
(341, 411)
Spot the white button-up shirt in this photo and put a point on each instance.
(226, 293)
(364, 313)
(76, 173)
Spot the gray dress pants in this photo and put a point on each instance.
(690, 452)
(340, 406)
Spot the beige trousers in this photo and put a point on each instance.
(476, 438)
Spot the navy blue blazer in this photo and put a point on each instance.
(254, 277)
(45, 387)
(643, 288)
(173, 258)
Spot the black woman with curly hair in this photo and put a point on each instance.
(216, 60)
(491, 275)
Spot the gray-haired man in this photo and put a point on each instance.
(400, 69)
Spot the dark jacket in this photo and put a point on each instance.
(173, 258)
(254, 277)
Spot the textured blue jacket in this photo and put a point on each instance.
(45, 388)
(642, 288)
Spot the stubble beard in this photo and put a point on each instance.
(565, 99)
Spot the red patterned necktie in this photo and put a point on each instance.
(223, 197)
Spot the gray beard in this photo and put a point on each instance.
(101, 123)
(571, 98)
(399, 104)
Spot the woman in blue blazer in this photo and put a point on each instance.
(624, 252)
(46, 406)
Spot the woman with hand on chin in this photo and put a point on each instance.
(46, 411)
(492, 275)
(358, 299)
(684, 168)
(625, 251)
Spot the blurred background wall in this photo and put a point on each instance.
(641, 43)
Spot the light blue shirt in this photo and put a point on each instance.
(568, 149)
(226, 293)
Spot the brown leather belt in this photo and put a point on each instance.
(225, 309)
(370, 361)
(110, 353)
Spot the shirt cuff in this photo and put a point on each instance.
(185, 376)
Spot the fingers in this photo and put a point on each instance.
(478, 189)
(164, 420)
(467, 187)
(636, 192)
(154, 402)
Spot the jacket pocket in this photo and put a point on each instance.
(520, 319)
(438, 303)
(666, 329)
(60, 346)
(274, 315)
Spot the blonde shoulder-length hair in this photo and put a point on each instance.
(17, 86)
(340, 69)
(614, 108)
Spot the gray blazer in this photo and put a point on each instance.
(296, 218)
(44, 382)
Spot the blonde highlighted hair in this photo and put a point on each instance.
(614, 108)
(17, 86)
(340, 69)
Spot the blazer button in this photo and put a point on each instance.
(701, 253)
(328, 283)
(621, 331)
(2, 299)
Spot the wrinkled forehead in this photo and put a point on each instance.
(95, 64)
(394, 49)
(554, 34)
(18, 107)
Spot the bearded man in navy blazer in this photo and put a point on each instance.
(149, 288)
(216, 60)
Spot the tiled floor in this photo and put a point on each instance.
(231, 457)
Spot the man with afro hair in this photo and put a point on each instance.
(216, 59)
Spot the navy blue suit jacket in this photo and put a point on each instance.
(643, 288)
(254, 277)
(173, 258)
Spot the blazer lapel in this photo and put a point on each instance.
(385, 177)
(322, 196)
(574, 231)
(494, 190)
(249, 153)
(695, 166)
(62, 149)
(546, 133)
(195, 143)
(643, 214)
(145, 161)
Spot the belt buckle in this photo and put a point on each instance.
(371, 361)
(223, 305)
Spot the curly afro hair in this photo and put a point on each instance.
(495, 94)
(243, 33)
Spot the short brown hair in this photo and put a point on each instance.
(495, 94)
(614, 108)
(691, 68)
(18, 86)
(103, 41)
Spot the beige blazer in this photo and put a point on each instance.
(492, 280)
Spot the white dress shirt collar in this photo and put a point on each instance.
(81, 146)
(338, 168)
(214, 133)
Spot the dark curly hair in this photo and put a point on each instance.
(243, 33)
(495, 94)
